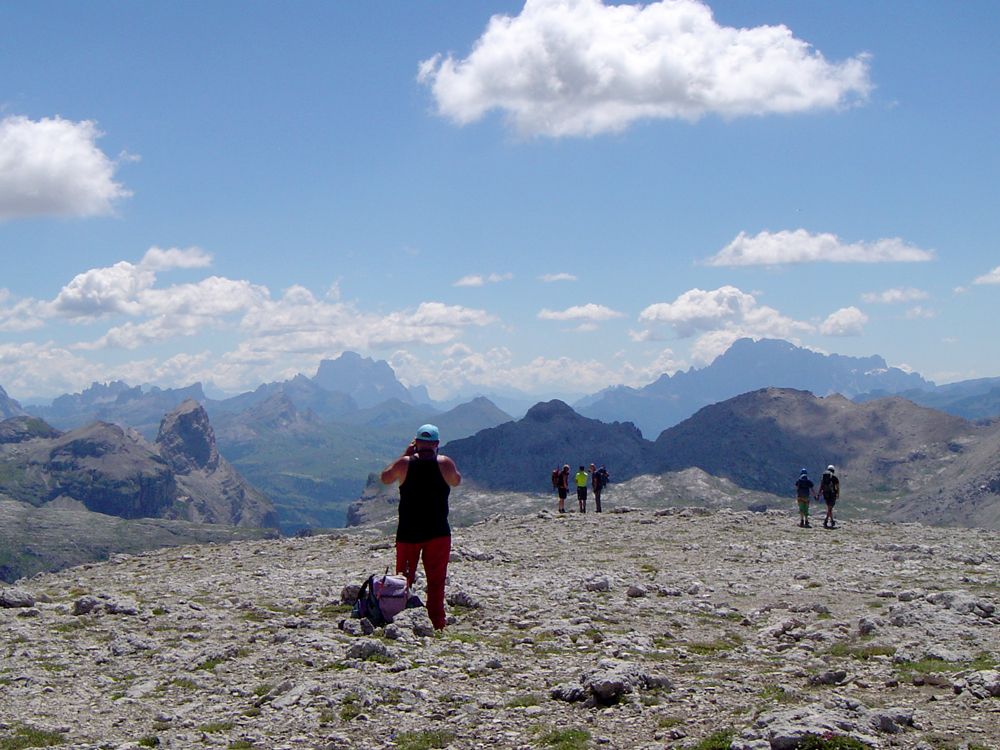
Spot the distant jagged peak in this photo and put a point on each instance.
(186, 439)
(9, 407)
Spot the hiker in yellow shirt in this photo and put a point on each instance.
(582, 480)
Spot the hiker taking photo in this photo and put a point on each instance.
(425, 480)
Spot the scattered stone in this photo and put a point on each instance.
(12, 598)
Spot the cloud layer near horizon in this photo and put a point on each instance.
(580, 68)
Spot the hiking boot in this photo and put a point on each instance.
(802, 524)
(807, 525)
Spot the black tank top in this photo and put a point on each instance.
(423, 502)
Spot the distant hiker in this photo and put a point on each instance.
(829, 488)
(598, 481)
(582, 480)
(555, 480)
(803, 491)
(563, 488)
(425, 480)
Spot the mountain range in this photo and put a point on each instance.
(897, 460)
(70, 485)
(310, 443)
(747, 366)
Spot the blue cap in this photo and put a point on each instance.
(428, 432)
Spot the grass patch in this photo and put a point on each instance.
(216, 726)
(241, 745)
(830, 742)
(720, 740)
(861, 653)
(24, 736)
(775, 694)
(150, 741)
(424, 740)
(564, 739)
(523, 701)
(184, 683)
(350, 707)
(929, 666)
(707, 648)
(668, 722)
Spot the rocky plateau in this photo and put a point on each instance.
(636, 628)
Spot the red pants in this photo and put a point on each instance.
(435, 553)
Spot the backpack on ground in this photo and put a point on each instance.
(381, 598)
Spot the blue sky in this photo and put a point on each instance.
(553, 197)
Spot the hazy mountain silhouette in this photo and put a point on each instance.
(746, 366)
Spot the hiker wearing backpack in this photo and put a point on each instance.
(563, 487)
(582, 480)
(803, 491)
(598, 481)
(829, 488)
(425, 480)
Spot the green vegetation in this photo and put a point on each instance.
(707, 648)
(929, 666)
(24, 736)
(241, 745)
(775, 694)
(149, 741)
(564, 739)
(424, 740)
(666, 722)
(184, 683)
(830, 742)
(717, 740)
(350, 707)
(861, 653)
(216, 726)
(523, 701)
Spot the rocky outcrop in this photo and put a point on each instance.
(9, 407)
(211, 491)
(640, 630)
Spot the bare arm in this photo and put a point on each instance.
(396, 471)
(449, 471)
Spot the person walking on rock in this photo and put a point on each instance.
(425, 480)
(803, 491)
(563, 487)
(598, 481)
(829, 488)
(582, 480)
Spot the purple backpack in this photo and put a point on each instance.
(381, 598)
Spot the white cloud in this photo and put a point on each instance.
(53, 167)
(848, 321)
(717, 317)
(103, 291)
(993, 277)
(590, 311)
(463, 367)
(550, 277)
(45, 369)
(919, 312)
(22, 315)
(479, 280)
(799, 246)
(157, 259)
(894, 296)
(580, 67)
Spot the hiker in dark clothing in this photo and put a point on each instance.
(829, 488)
(803, 492)
(563, 487)
(425, 480)
(598, 481)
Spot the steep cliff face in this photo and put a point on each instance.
(105, 469)
(210, 490)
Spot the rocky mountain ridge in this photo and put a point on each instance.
(638, 630)
(898, 459)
